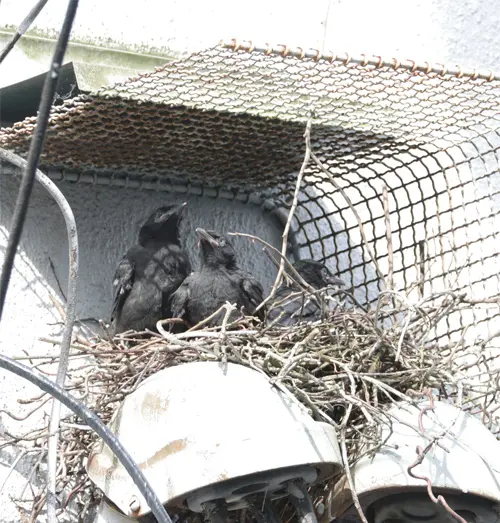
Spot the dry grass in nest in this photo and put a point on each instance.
(344, 369)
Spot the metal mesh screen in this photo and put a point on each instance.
(233, 118)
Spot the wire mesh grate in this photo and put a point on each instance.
(233, 117)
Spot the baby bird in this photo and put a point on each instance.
(150, 272)
(218, 281)
(292, 305)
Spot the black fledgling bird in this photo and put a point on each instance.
(150, 272)
(218, 281)
(292, 305)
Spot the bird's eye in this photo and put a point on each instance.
(222, 242)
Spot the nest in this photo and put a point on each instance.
(345, 369)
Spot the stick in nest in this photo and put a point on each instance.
(286, 231)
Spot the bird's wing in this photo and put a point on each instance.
(180, 299)
(254, 293)
(293, 307)
(122, 282)
(308, 308)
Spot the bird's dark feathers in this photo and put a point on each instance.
(123, 281)
(180, 299)
(218, 281)
(149, 273)
(292, 305)
(162, 225)
(316, 274)
(253, 289)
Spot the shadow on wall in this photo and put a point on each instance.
(30, 311)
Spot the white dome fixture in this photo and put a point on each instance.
(458, 455)
(208, 436)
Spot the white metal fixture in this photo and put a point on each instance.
(203, 431)
(462, 463)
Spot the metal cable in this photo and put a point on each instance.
(35, 151)
(18, 220)
(94, 422)
(70, 311)
(23, 27)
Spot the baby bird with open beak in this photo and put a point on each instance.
(218, 281)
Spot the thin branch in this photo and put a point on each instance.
(347, 472)
(388, 234)
(297, 278)
(286, 231)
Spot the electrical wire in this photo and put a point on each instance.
(69, 319)
(23, 27)
(19, 217)
(95, 423)
(35, 151)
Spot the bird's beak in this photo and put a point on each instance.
(333, 280)
(180, 210)
(205, 237)
(177, 213)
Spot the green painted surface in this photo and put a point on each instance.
(98, 66)
(101, 46)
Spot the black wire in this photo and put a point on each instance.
(23, 27)
(19, 217)
(35, 151)
(95, 423)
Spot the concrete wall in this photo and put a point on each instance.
(463, 32)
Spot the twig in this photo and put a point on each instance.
(388, 234)
(421, 266)
(295, 275)
(26, 416)
(347, 471)
(298, 183)
(59, 307)
(13, 466)
(209, 318)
